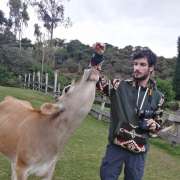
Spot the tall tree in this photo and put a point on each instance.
(37, 33)
(5, 24)
(19, 16)
(2, 20)
(177, 72)
(51, 12)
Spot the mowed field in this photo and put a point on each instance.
(83, 153)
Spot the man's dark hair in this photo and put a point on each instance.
(145, 53)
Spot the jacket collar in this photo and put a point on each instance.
(151, 83)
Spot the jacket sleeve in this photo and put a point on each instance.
(159, 111)
(105, 86)
(158, 116)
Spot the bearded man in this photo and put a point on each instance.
(134, 117)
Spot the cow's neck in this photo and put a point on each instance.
(76, 107)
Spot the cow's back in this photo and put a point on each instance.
(13, 113)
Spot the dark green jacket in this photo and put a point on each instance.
(123, 103)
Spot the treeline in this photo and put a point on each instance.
(19, 55)
(69, 59)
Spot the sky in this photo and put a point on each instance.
(151, 23)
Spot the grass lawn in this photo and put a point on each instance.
(83, 153)
(35, 97)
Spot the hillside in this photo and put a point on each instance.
(69, 59)
(75, 56)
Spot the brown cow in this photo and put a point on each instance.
(32, 139)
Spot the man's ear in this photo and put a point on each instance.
(151, 68)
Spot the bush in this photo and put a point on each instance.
(173, 105)
(165, 86)
(7, 78)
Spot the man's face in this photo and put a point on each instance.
(141, 69)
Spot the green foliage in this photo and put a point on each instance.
(61, 55)
(26, 43)
(173, 106)
(8, 38)
(176, 83)
(17, 61)
(63, 80)
(165, 86)
(117, 61)
(7, 78)
(70, 58)
(165, 67)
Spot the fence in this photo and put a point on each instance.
(40, 82)
(172, 132)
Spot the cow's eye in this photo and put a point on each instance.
(66, 89)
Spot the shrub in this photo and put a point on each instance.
(165, 86)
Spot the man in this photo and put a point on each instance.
(135, 116)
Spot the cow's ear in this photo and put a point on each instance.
(49, 109)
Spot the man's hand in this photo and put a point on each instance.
(99, 47)
(97, 56)
(151, 123)
(115, 83)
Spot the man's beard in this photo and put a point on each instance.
(142, 78)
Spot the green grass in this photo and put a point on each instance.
(83, 153)
(35, 97)
(168, 148)
(98, 107)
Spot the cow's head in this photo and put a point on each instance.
(90, 75)
(76, 89)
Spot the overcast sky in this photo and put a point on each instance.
(152, 23)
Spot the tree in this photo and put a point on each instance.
(19, 16)
(5, 24)
(37, 33)
(2, 20)
(51, 12)
(176, 83)
(26, 43)
(7, 38)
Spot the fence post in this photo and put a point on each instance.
(102, 107)
(58, 90)
(46, 83)
(39, 80)
(25, 77)
(20, 80)
(55, 81)
(29, 80)
(33, 79)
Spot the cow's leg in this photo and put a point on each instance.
(50, 172)
(21, 173)
(13, 171)
(21, 170)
